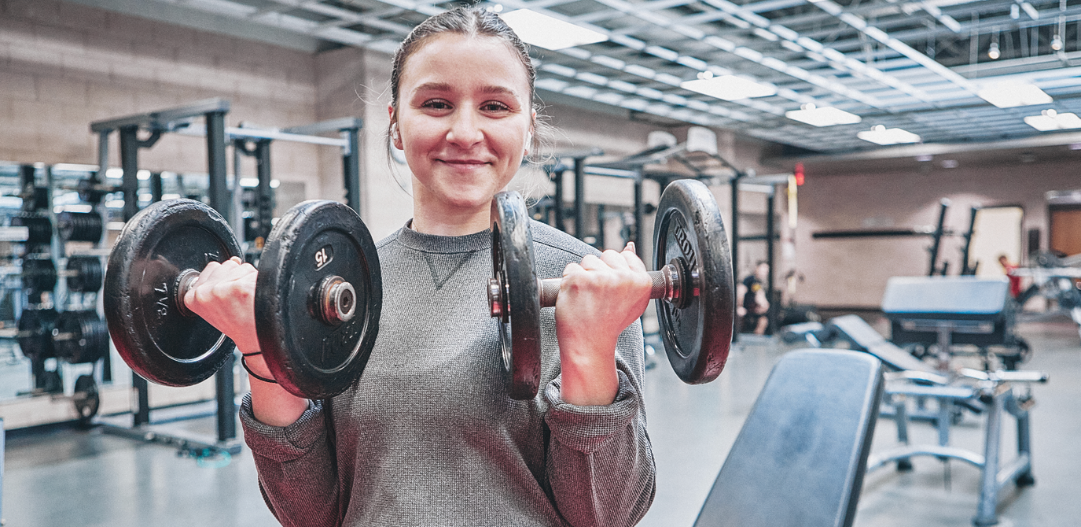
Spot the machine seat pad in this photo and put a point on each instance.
(860, 334)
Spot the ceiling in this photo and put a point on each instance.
(916, 65)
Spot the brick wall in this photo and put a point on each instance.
(64, 65)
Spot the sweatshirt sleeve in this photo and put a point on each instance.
(296, 465)
(600, 463)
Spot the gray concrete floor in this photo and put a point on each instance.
(88, 478)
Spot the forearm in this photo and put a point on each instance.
(273, 405)
(588, 378)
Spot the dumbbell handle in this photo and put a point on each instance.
(335, 301)
(665, 286)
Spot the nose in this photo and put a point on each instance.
(465, 129)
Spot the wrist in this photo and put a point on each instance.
(588, 379)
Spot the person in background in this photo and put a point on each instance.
(754, 305)
(1008, 268)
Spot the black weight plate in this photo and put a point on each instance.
(697, 338)
(80, 226)
(515, 268)
(39, 227)
(80, 337)
(38, 274)
(86, 398)
(86, 274)
(158, 243)
(36, 333)
(312, 241)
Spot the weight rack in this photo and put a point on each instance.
(183, 121)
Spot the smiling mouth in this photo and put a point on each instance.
(463, 163)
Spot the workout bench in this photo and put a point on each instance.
(800, 457)
(989, 392)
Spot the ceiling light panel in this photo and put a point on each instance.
(729, 88)
(548, 32)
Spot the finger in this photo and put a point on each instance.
(592, 263)
(614, 260)
(634, 263)
(236, 273)
(572, 268)
(211, 272)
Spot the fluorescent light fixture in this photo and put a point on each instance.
(728, 87)
(1051, 120)
(547, 32)
(1010, 95)
(814, 116)
(880, 135)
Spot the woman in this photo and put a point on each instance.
(428, 435)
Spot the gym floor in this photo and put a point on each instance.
(89, 478)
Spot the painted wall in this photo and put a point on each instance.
(63, 66)
(853, 272)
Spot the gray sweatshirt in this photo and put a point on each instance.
(428, 434)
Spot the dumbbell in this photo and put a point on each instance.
(83, 274)
(80, 337)
(317, 300)
(694, 284)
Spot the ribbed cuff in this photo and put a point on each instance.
(283, 443)
(585, 428)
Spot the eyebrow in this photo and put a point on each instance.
(442, 86)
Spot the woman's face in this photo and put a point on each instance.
(464, 119)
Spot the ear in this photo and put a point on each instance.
(395, 135)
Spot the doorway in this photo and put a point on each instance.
(996, 232)
(1065, 229)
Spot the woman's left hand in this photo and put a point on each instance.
(598, 299)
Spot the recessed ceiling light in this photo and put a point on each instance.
(547, 32)
(880, 135)
(949, 163)
(925, 158)
(728, 87)
(1010, 95)
(1050, 120)
(813, 116)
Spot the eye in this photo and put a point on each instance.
(436, 104)
(495, 106)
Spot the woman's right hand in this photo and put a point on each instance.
(224, 296)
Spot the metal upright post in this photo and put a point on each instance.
(579, 197)
(264, 200)
(771, 227)
(557, 177)
(351, 166)
(129, 186)
(155, 187)
(733, 240)
(943, 205)
(639, 214)
(3, 433)
(989, 487)
(218, 194)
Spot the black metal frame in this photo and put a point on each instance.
(212, 111)
(182, 120)
(3, 435)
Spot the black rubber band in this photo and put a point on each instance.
(244, 363)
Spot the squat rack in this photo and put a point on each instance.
(182, 120)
